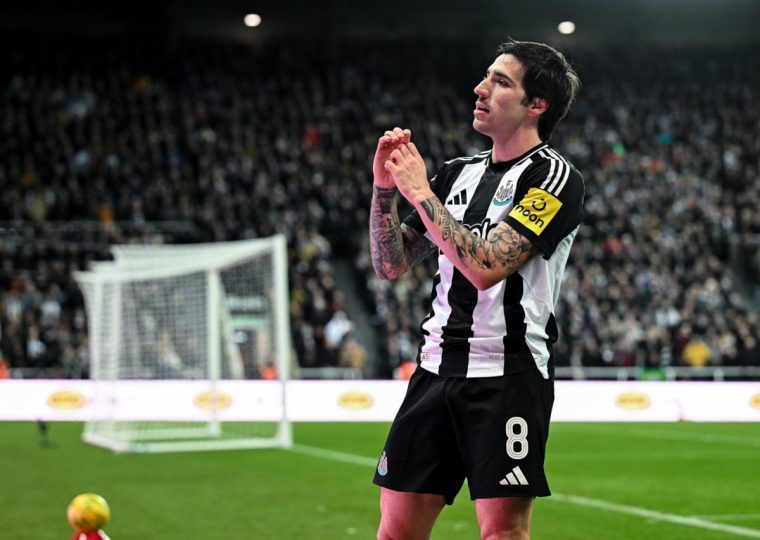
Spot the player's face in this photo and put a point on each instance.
(501, 106)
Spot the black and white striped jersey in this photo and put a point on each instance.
(510, 326)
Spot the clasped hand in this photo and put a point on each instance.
(398, 162)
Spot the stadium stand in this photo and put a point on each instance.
(670, 167)
(107, 142)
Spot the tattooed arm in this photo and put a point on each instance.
(394, 246)
(484, 262)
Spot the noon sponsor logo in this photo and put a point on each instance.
(355, 400)
(754, 401)
(633, 401)
(536, 209)
(212, 400)
(66, 399)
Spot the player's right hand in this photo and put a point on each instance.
(385, 145)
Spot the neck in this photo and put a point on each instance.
(516, 145)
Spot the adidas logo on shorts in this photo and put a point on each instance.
(514, 478)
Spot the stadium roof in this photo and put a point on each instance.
(637, 22)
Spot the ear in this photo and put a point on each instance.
(538, 107)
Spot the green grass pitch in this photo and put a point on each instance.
(616, 481)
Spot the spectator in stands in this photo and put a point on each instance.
(697, 353)
(98, 150)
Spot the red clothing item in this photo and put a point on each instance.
(90, 535)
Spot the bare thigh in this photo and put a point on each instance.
(504, 518)
(408, 516)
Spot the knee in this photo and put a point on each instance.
(506, 518)
(395, 529)
(408, 527)
(516, 532)
(383, 532)
(407, 516)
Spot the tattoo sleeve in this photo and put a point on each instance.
(481, 260)
(394, 247)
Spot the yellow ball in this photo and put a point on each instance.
(88, 512)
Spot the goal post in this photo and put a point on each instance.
(205, 316)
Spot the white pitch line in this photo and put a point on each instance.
(700, 437)
(333, 455)
(692, 437)
(728, 517)
(654, 456)
(690, 521)
(657, 516)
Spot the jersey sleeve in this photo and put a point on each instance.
(414, 220)
(549, 204)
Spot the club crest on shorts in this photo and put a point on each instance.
(382, 465)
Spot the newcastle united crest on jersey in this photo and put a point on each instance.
(382, 465)
(504, 194)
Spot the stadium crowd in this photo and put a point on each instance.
(671, 169)
(205, 142)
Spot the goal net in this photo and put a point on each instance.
(189, 346)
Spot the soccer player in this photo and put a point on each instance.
(502, 222)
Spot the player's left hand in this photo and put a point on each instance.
(407, 168)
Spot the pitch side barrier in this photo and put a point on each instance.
(357, 401)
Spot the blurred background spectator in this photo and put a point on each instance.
(185, 140)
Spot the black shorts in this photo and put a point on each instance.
(490, 430)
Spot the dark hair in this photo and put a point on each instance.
(548, 75)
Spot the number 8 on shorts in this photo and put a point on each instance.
(517, 441)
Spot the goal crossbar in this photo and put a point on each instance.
(186, 312)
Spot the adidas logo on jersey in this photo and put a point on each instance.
(514, 478)
(459, 198)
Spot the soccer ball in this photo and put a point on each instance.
(88, 512)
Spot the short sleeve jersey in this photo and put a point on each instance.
(510, 326)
